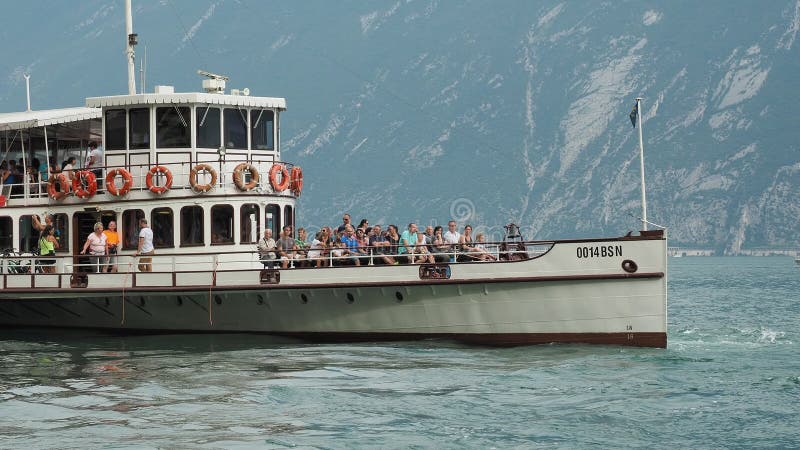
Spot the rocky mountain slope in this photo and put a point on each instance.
(485, 111)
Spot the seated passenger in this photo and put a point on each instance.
(420, 251)
(266, 249)
(318, 246)
(407, 242)
(302, 247)
(439, 248)
(380, 246)
(351, 244)
(482, 253)
(286, 247)
(467, 250)
(393, 238)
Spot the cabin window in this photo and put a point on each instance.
(262, 129)
(130, 228)
(272, 219)
(139, 128)
(288, 217)
(235, 128)
(161, 222)
(115, 129)
(7, 234)
(29, 237)
(173, 127)
(208, 128)
(250, 229)
(191, 226)
(221, 224)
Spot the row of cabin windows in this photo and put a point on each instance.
(173, 128)
(162, 222)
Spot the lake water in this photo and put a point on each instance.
(730, 377)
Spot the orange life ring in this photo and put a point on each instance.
(127, 182)
(297, 180)
(273, 177)
(59, 179)
(193, 178)
(238, 179)
(87, 177)
(149, 180)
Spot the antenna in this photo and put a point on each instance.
(215, 84)
(143, 71)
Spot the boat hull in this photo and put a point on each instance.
(515, 303)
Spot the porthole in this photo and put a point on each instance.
(629, 266)
(350, 298)
(260, 299)
(218, 299)
(399, 296)
(179, 301)
(108, 302)
(141, 302)
(304, 298)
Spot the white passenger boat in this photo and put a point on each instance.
(206, 169)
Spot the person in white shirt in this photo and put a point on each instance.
(67, 168)
(94, 160)
(98, 247)
(451, 236)
(145, 248)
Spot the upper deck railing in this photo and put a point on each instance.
(182, 174)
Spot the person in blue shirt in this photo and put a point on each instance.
(407, 242)
(351, 243)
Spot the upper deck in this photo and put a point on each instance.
(177, 131)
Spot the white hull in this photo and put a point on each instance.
(556, 297)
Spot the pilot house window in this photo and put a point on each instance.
(235, 128)
(139, 120)
(173, 127)
(262, 129)
(115, 129)
(208, 128)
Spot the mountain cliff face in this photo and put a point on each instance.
(488, 112)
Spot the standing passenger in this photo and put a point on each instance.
(47, 247)
(145, 247)
(98, 247)
(112, 239)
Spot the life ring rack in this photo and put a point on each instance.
(152, 186)
(89, 179)
(204, 187)
(127, 182)
(273, 177)
(59, 179)
(296, 180)
(238, 177)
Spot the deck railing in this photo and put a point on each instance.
(179, 170)
(251, 260)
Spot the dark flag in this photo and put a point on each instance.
(634, 113)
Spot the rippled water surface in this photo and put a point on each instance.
(729, 378)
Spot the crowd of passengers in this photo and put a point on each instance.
(358, 245)
(37, 172)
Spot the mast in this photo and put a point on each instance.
(28, 89)
(641, 162)
(130, 43)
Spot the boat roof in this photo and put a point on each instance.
(187, 97)
(34, 119)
